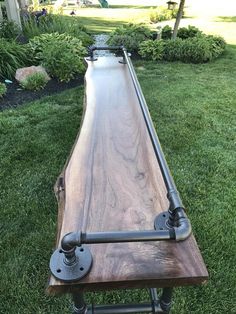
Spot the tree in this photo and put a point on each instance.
(178, 18)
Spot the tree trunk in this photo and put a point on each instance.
(178, 18)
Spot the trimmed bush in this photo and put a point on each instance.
(130, 36)
(193, 50)
(3, 89)
(152, 49)
(173, 50)
(34, 82)
(196, 50)
(57, 24)
(12, 57)
(8, 29)
(62, 55)
(166, 32)
(162, 14)
(188, 32)
(218, 45)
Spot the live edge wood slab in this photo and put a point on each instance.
(111, 182)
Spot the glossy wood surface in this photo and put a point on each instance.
(113, 182)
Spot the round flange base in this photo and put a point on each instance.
(74, 272)
(161, 221)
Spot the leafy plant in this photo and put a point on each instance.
(59, 24)
(34, 82)
(12, 57)
(8, 29)
(166, 32)
(191, 50)
(173, 49)
(161, 14)
(196, 50)
(152, 49)
(62, 55)
(130, 36)
(217, 44)
(188, 32)
(3, 89)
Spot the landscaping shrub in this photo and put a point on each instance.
(196, 50)
(218, 45)
(188, 32)
(152, 49)
(193, 50)
(34, 82)
(61, 24)
(130, 36)
(173, 50)
(8, 29)
(12, 57)
(62, 55)
(166, 32)
(162, 14)
(3, 89)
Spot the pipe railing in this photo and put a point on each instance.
(175, 227)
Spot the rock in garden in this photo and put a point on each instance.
(23, 73)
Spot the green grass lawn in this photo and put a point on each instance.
(105, 20)
(194, 110)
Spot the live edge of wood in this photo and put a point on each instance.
(112, 181)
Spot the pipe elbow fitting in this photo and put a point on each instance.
(183, 230)
(71, 240)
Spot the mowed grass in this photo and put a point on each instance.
(99, 20)
(194, 111)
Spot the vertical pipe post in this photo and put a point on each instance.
(79, 306)
(165, 301)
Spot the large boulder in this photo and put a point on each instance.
(23, 73)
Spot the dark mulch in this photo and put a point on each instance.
(17, 96)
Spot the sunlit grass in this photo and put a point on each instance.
(105, 20)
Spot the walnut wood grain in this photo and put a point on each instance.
(113, 182)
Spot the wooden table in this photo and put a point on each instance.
(112, 182)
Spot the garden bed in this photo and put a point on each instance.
(16, 96)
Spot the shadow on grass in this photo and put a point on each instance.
(100, 25)
(226, 19)
(116, 6)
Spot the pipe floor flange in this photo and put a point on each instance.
(161, 221)
(74, 272)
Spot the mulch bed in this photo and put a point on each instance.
(17, 96)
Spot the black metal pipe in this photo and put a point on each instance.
(124, 309)
(79, 306)
(182, 226)
(91, 50)
(172, 193)
(154, 299)
(166, 299)
(116, 48)
(153, 294)
(72, 239)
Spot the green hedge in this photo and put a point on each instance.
(194, 50)
(130, 36)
